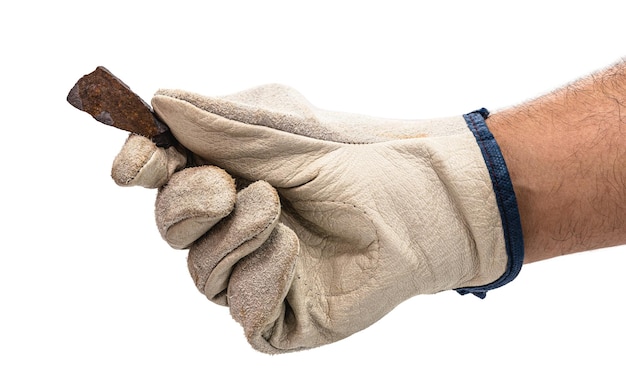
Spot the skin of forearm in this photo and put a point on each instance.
(566, 155)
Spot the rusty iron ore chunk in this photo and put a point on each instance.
(110, 101)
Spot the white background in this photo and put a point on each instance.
(90, 294)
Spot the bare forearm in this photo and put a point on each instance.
(566, 153)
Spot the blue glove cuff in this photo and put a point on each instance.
(505, 197)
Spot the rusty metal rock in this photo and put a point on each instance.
(110, 101)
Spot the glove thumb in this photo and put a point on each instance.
(254, 151)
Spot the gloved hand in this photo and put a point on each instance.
(339, 217)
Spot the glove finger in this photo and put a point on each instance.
(259, 284)
(193, 201)
(141, 163)
(255, 152)
(212, 257)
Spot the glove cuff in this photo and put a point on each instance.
(505, 198)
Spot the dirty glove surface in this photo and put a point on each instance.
(349, 215)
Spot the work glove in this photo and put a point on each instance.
(311, 225)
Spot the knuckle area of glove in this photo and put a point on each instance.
(202, 192)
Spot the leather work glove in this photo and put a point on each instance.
(334, 218)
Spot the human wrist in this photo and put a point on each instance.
(566, 153)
